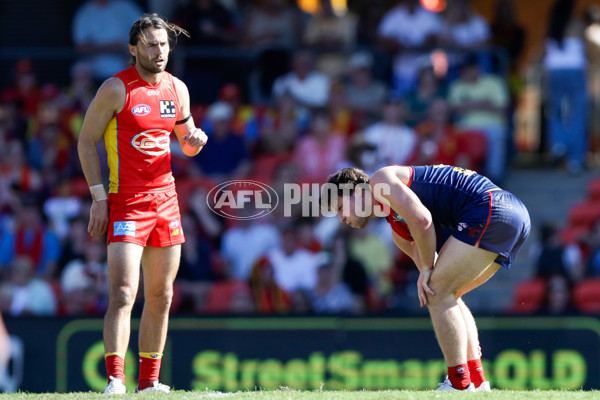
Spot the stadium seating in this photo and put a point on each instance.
(529, 296)
(586, 296)
(220, 296)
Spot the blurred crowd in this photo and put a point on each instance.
(367, 86)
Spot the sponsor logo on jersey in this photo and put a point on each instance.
(124, 228)
(153, 142)
(141, 110)
(175, 232)
(167, 109)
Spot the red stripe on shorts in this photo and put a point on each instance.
(489, 192)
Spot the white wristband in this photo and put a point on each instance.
(98, 192)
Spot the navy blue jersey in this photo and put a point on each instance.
(469, 207)
(447, 190)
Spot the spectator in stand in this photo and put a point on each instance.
(31, 238)
(429, 88)
(330, 295)
(507, 33)
(244, 122)
(360, 154)
(409, 31)
(203, 229)
(75, 243)
(99, 31)
(365, 94)
(271, 24)
(306, 235)
(244, 243)
(209, 24)
(480, 102)
(559, 297)
(552, 257)
(24, 293)
(295, 268)
(464, 31)
(280, 127)
(369, 16)
(441, 143)
(51, 144)
(16, 172)
(437, 139)
(343, 120)
(394, 140)
(25, 94)
(565, 63)
(321, 151)
(84, 282)
(307, 86)
(352, 272)
(332, 33)
(268, 296)
(81, 89)
(229, 158)
(375, 256)
(61, 207)
(200, 262)
(273, 28)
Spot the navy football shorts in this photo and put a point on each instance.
(497, 221)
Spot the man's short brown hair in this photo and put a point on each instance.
(343, 180)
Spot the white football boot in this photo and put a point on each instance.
(447, 386)
(115, 386)
(156, 387)
(484, 387)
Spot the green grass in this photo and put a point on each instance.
(321, 395)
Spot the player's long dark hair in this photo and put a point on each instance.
(155, 21)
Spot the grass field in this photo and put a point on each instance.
(324, 395)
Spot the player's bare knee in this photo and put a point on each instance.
(122, 297)
(160, 299)
(441, 300)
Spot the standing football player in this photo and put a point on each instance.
(134, 112)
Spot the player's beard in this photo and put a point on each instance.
(149, 66)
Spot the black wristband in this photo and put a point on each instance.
(183, 121)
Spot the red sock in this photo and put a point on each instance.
(115, 366)
(149, 369)
(459, 376)
(476, 372)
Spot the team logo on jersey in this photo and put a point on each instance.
(153, 142)
(167, 109)
(462, 226)
(141, 110)
(397, 217)
(124, 228)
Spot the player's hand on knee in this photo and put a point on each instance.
(98, 218)
(197, 138)
(423, 288)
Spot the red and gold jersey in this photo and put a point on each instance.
(138, 138)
